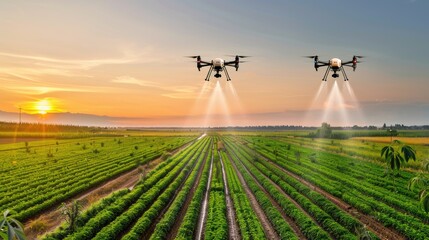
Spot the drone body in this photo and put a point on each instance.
(218, 65)
(336, 65)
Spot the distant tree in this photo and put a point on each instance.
(10, 228)
(324, 131)
(384, 126)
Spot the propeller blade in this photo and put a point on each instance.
(191, 56)
(240, 56)
(310, 56)
(360, 56)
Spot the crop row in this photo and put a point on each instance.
(43, 192)
(148, 205)
(294, 187)
(189, 224)
(156, 181)
(163, 227)
(217, 224)
(250, 226)
(324, 219)
(258, 184)
(361, 195)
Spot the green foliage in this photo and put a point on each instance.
(71, 213)
(71, 171)
(421, 183)
(395, 157)
(11, 228)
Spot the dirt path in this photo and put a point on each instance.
(376, 227)
(52, 217)
(269, 230)
(232, 224)
(288, 219)
(203, 212)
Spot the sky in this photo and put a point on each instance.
(122, 62)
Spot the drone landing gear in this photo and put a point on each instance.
(344, 74)
(226, 74)
(209, 73)
(326, 73)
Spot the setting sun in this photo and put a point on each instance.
(43, 106)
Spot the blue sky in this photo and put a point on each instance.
(125, 58)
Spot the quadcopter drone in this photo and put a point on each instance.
(335, 64)
(219, 65)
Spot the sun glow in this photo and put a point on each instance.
(43, 106)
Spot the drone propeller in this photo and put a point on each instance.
(240, 56)
(359, 56)
(192, 56)
(315, 56)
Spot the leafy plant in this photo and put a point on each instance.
(11, 228)
(397, 153)
(71, 213)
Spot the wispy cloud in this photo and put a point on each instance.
(72, 63)
(135, 81)
(38, 90)
(177, 92)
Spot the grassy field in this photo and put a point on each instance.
(225, 185)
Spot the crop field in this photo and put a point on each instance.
(40, 174)
(216, 186)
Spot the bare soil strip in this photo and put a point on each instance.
(376, 227)
(269, 231)
(52, 218)
(288, 219)
(232, 224)
(203, 212)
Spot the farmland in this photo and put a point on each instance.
(227, 185)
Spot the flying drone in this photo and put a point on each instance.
(335, 64)
(218, 65)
